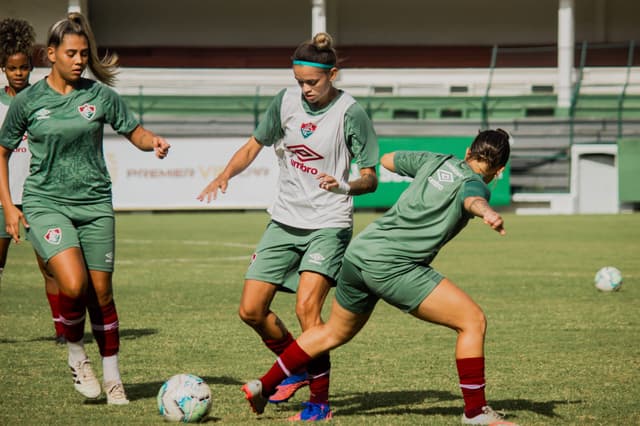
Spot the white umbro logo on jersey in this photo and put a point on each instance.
(316, 258)
(43, 114)
(444, 176)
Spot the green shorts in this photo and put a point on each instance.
(284, 252)
(358, 290)
(54, 228)
(3, 226)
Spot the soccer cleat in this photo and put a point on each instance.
(313, 412)
(253, 393)
(288, 387)
(60, 340)
(115, 393)
(487, 417)
(84, 380)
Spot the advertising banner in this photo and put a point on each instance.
(143, 182)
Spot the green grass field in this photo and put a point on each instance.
(558, 351)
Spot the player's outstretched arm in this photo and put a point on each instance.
(146, 140)
(478, 206)
(242, 158)
(387, 161)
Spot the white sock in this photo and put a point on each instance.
(110, 369)
(76, 352)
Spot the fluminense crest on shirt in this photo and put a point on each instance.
(53, 236)
(307, 129)
(87, 111)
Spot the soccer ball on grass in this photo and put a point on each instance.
(184, 398)
(608, 279)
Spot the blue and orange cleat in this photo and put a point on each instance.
(313, 412)
(288, 387)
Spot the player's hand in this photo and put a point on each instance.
(327, 182)
(13, 216)
(494, 220)
(160, 146)
(210, 192)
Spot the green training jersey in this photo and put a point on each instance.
(428, 214)
(65, 139)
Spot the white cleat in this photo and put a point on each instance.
(487, 417)
(84, 380)
(115, 393)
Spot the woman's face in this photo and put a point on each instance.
(17, 70)
(70, 58)
(316, 83)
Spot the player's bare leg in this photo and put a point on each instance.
(68, 269)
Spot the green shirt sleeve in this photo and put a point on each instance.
(361, 137)
(269, 130)
(15, 123)
(117, 113)
(476, 188)
(407, 163)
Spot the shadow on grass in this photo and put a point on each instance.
(125, 334)
(400, 402)
(150, 389)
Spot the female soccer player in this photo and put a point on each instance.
(16, 47)
(67, 202)
(316, 130)
(390, 260)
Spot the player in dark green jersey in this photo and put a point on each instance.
(391, 258)
(316, 130)
(16, 47)
(67, 201)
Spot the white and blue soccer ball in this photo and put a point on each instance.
(608, 279)
(184, 398)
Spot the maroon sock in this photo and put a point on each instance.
(471, 373)
(72, 315)
(54, 302)
(105, 327)
(319, 369)
(292, 360)
(278, 346)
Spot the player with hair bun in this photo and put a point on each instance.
(315, 130)
(16, 49)
(391, 260)
(67, 201)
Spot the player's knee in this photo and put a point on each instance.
(250, 315)
(476, 321)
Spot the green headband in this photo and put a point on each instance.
(313, 64)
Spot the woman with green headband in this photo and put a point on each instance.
(316, 131)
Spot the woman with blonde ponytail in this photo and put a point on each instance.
(67, 201)
(316, 130)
